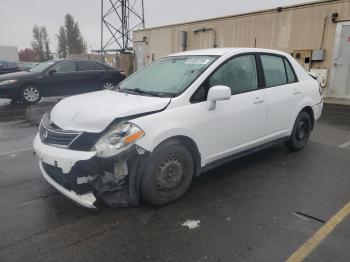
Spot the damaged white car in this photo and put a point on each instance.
(173, 119)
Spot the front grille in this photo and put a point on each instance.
(52, 135)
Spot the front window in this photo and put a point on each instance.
(239, 74)
(168, 76)
(41, 67)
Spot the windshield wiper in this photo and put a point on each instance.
(142, 92)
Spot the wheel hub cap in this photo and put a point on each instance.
(31, 94)
(108, 86)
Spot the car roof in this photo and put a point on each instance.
(224, 51)
(72, 59)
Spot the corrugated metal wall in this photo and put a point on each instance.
(294, 28)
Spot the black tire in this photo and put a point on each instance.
(30, 94)
(168, 175)
(301, 132)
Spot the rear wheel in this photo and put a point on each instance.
(168, 175)
(108, 85)
(30, 94)
(301, 132)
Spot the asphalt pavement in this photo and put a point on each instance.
(262, 207)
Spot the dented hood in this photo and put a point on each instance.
(93, 112)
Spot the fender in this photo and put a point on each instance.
(172, 130)
(304, 103)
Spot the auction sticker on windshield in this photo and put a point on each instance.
(197, 61)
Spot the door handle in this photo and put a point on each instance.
(296, 91)
(258, 100)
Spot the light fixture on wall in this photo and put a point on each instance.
(334, 17)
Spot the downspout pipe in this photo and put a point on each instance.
(203, 30)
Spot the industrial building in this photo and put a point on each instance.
(9, 53)
(317, 34)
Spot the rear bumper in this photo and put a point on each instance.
(317, 110)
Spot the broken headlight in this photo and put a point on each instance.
(118, 139)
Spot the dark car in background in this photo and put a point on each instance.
(59, 78)
(8, 67)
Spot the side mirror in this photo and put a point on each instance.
(217, 93)
(52, 71)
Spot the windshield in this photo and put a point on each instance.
(167, 76)
(41, 67)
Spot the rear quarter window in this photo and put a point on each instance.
(291, 77)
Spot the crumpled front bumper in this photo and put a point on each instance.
(86, 200)
(84, 178)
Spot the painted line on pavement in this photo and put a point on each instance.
(17, 151)
(321, 234)
(345, 145)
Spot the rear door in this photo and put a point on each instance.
(239, 123)
(282, 92)
(90, 76)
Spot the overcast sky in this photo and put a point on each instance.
(17, 17)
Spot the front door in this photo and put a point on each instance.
(236, 124)
(62, 80)
(140, 49)
(342, 65)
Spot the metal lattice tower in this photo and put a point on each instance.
(118, 19)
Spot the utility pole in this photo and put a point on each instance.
(118, 19)
(102, 57)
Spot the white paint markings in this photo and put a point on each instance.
(345, 145)
(13, 153)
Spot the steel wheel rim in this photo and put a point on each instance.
(169, 175)
(31, 94)
(108, 86)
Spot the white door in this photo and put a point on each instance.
(236, 124)
(342, 65)
(282, 94)
(140, 49)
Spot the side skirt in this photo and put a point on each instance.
(235, 156)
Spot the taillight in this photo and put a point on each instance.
(319, 87)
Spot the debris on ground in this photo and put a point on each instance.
(191, 224)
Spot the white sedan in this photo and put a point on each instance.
(172, 120)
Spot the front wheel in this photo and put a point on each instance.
(168, 175)
(301, 132)
(30, 94)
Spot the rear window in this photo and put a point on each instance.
(88, 66)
